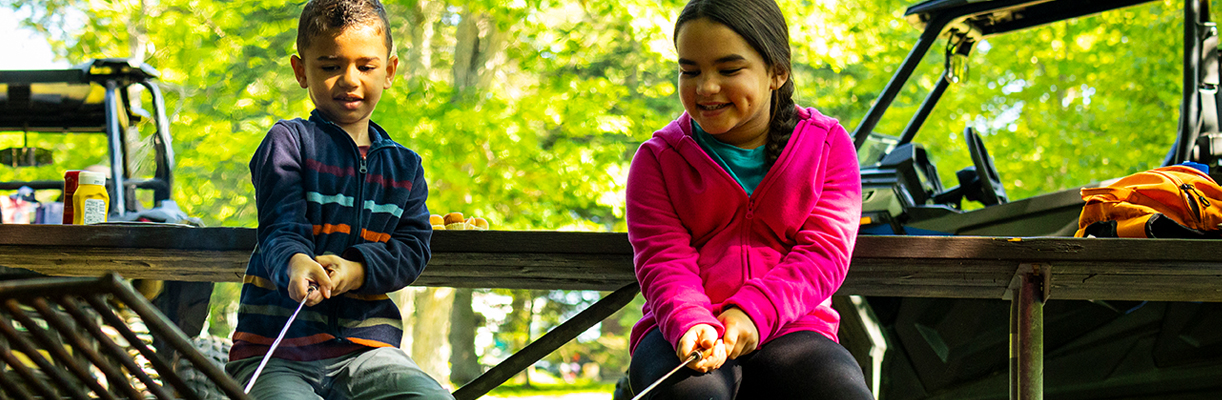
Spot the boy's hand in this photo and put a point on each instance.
(704, 337)
(742, 336)
(346, 275)
(303, 271)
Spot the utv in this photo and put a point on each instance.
(105, 114)
(957, 348)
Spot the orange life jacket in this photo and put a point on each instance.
(1175, 201)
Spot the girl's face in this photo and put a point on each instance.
(724, 84)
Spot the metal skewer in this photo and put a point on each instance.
(280, 337)
(696, 355)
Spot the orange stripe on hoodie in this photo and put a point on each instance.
(329, 228)
(375, 236)
(370, 343)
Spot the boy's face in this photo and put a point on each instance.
(346, 74)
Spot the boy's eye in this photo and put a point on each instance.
(329, 68)
(368, 68)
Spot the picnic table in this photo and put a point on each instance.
(1026, 271)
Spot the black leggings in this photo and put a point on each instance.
(800, 365)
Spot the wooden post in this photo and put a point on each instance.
(1027, 293)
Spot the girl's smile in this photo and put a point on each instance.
(724, 84)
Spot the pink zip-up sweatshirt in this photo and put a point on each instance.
(702, 245)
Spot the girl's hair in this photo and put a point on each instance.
(762, 25)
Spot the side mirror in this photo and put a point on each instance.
(26, 157)
(958, 47)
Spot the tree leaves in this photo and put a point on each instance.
(569, 89)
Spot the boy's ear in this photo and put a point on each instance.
(392, 66)
(299, 71)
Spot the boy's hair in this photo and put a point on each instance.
(762, 25)
(322, 16)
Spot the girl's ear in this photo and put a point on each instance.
(779, 77)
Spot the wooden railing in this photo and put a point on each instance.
(911, 266)
(1026, 270)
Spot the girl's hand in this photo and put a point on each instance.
(704, 337)
(345, 275)
(741, 336)
(304, 271)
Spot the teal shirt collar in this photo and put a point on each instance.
(746, 166)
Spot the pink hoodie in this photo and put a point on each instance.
(701, 245)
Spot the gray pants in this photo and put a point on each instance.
(380, 373)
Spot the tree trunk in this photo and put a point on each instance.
(418, 57)
(464, 364)
(406, 300)
(478, 50)
(466, 53)
(137, 33)
(516, 328)
(611, 327)
(430, 333)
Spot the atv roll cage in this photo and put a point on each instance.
(92, 98)
(945, 348)
(901, 186)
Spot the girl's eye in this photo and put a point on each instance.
(689, 73)
(730, 71)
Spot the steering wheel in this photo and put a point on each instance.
(991, 190)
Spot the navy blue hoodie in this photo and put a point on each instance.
(317, 195)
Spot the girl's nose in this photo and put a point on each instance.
(707, 85)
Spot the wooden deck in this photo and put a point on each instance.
(910, 266)
(1028, 271)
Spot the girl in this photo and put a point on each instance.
(742, 214)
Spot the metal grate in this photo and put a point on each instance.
(56, 342)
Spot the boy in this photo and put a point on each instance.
(341, 206)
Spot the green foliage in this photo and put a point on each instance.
(544, 141)
(566, 90)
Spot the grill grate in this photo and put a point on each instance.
(61, 338)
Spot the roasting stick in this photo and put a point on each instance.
(696, 355)
(280, 337)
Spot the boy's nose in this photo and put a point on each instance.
(350, 77)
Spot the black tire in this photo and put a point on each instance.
(216, 350)
(623, 390)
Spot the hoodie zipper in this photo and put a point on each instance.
(359, 206)
(745, 232)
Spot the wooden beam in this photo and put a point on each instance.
(911, 266)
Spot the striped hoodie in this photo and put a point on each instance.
(316, 195)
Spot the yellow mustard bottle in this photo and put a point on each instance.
(90, 202)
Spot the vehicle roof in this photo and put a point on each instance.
(991, 17)
(70, 100)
